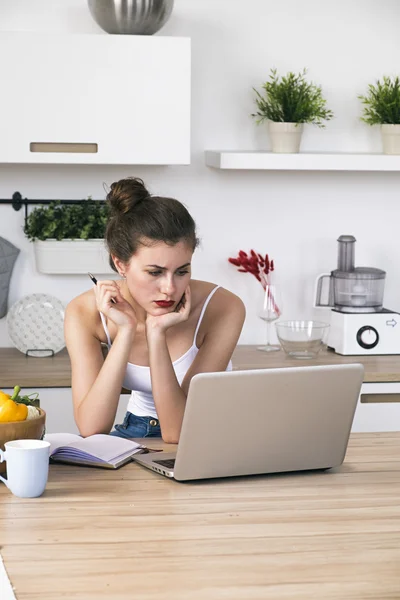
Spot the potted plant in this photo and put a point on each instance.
(288, 103)
(69, 238)
(382, 107)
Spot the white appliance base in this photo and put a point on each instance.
(357, 334)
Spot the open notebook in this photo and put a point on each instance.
(98, 450)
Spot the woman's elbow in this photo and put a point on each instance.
(88, 429)
(170, 437)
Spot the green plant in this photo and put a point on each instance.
(382, 102)
(67, 221)
(291, 99)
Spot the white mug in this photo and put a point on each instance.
(27, 467)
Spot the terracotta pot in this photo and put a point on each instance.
(22, 430)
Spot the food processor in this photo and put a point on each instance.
(359, 323)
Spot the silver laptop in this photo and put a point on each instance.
(263, 421)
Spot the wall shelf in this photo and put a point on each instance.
(304, 161)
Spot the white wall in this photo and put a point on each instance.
(295, 217)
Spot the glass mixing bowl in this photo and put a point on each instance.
(301, 339)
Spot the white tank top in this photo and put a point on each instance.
(137, 378)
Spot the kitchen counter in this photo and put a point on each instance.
(378, 369)
(16, 368)
(131, 533)
(33, 372)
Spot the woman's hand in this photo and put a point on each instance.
(119, 311)
(160, 323)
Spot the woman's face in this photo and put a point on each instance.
(158, 275)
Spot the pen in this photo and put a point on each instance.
(93, 278)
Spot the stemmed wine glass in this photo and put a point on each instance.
(271, 310)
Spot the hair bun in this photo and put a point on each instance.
(125, 194)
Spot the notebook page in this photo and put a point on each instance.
(60, 439)
(106, 447)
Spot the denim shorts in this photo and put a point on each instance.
(137, 427)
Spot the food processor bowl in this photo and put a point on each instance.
(360, 290)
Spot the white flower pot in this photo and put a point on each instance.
(390, 139)
(70, 257)
(285, 137)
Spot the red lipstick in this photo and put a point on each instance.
(165, 303)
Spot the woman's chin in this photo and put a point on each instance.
(160, 310)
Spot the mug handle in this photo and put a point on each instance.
(3, 457)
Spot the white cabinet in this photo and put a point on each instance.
(378, 408)
(57, 403)
(94, 99)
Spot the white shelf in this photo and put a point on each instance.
(228, 159)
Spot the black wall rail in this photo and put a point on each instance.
(17, 202)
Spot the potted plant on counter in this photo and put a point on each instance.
(287, 103)
(382, 107)
(69, 238)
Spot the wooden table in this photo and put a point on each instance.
(33, 372)
(131, 533)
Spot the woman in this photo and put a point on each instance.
(161, 326)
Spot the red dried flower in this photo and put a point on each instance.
(255, 264)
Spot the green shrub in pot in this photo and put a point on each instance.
(67, 221)
(286, 104)
(69, 238)
(381, 106)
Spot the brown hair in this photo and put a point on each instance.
(136, 215)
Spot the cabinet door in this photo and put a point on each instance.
(378, 408)
(94, 99)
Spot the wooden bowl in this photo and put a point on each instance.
(21, 430)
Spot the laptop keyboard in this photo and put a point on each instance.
(169, 463)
